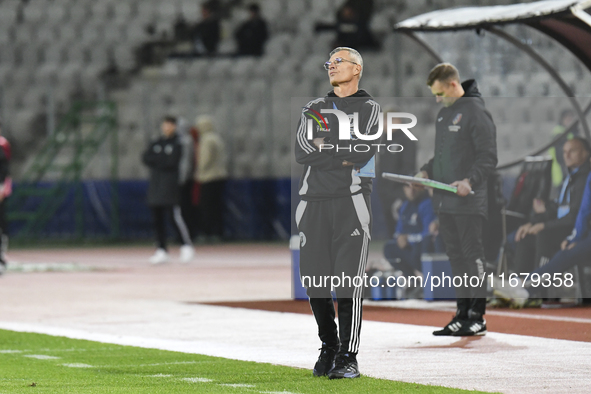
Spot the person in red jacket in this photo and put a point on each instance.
(5, 191)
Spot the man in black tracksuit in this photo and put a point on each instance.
(333, 216)
(465, 155)
(162, 158)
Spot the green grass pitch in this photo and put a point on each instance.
(36, 363)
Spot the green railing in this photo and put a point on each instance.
(61, 162)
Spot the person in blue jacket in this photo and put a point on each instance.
(575, 250)
(416, 233)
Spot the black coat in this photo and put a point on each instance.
(251, 37)
(465, 147)
(3, 165)
(163, 157)
(324, 175)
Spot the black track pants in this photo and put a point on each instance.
(462, 235)
(334, 240)
(159, 214)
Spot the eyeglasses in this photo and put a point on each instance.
(336, 62)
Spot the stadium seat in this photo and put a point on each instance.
(79, 11)
(147, 10)
(220, 67)
(123, 12)
(296, 8)
(272, 9)
(7, 55)
(190, 10)
(34, 12)
(266, 67)
(9, 12)
(167, 10)
(56, 12)
(278, 45)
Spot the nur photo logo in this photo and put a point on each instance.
(348, 127)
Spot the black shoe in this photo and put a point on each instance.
(2, 266)
(326, 360)
(471, 328)
(453, 326)
(345, 366)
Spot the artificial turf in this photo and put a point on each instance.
(37, 363)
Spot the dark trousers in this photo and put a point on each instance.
(211, 208)
(462, 235)
(579, 255)
(334, 240)
(160, 214)
(3, 229)
(188, 210)
(536, 250)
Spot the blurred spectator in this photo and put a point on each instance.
(416, 233)
(566, 118)
(206, 34)
(182, 29)
(211, 174)
(404, 162)
(551, 222)
(252, 34)
(353, 25)
(162, 158)
(196, 190)
(574, 250)
(5, 192)
(186, 170)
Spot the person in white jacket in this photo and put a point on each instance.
(211, 174)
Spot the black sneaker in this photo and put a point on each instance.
(2, 266)
(471, 328)
(453, 326)
(345, 366)
(325, 361)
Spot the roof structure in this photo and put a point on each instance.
(566, 21)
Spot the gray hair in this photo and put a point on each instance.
(355, 56)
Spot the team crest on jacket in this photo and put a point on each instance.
(302, 239)
(454, 126)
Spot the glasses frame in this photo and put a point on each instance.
(337, 61)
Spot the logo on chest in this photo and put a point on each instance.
(454, 127)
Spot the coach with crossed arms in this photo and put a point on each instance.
(465, 156)
(333, 216)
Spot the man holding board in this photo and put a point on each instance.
(465, 155)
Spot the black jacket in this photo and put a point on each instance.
(576, 188)
(163, 157)
(465, 147)
(251, 37)
(208, 33)
(324, 175)
(4, 167)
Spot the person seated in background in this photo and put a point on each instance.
(252, 34)
(567, 117)
(575, 250)
(416, 233)
(206, 34)
(353, 25)
(391, 194)
(537, 241)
